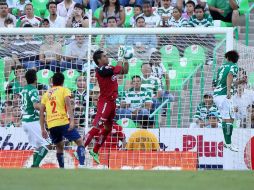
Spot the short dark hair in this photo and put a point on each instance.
(78, 5)
(111, 18)
(232, 56)
(4, 3)
(139, 17)
(97, 55)
(18, 67)
(50, 3)
(147, 3)
(138, 6)
(45, 20)
(58, 79)
(199, 7)
(179, 10)
(28, 5)
(135, 76)
(27, 25)
(191, 2)
(30, 76)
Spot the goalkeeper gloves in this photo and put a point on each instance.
(121, 53)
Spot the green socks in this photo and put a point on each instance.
(227, 131)
(42, 151)
(35, 154)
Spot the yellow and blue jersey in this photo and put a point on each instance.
(54, 101)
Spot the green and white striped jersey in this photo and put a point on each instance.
(205, 22)
(221, 82)
(161, 11)
(30, 95)
(151, 84)
(203, 111)
(136, 99)
(165, 11)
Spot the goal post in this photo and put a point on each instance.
(155, 125)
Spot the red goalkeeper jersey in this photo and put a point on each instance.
(107, 80)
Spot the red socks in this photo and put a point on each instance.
(90, 135)
(102, 137)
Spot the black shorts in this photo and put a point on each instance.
(57, 134)
(218, 16)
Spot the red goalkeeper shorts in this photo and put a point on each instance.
(106, 111)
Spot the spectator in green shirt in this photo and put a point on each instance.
(201, 19)
(225, 10)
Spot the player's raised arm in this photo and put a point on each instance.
(125, 66)
(124, 54)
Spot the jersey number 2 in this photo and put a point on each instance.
(53, 104)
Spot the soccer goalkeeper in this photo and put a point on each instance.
(106, 105)
(225, 87)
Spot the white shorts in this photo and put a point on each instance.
(225, 106)
(33, 131)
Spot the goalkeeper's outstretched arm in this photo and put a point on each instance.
(125, 66)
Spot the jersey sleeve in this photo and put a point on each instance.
(44, 99)
(234, 70)
(66, 92)
(117, 69)
(106, 71)
(34, 95)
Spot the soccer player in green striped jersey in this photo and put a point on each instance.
(224, 90)
(30, 118)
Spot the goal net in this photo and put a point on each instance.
(155, 126)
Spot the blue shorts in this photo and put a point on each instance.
(57, 134)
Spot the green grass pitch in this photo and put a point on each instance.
(84, 179)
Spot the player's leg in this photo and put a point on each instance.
(31, 129)
(73, 135)
(60, 154)
(108, 115)
(26, 128)
(103, 135)
(96, 124)
(42, 144)
(227, 114)
(56, 135)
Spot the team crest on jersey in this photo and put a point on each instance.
(108, 67)
(113, 78)
(113, 131)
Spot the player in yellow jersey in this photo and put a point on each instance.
(56, 104)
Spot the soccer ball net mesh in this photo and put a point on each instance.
(151, 128)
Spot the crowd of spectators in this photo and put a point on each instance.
(159, 13)
(142, 92)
